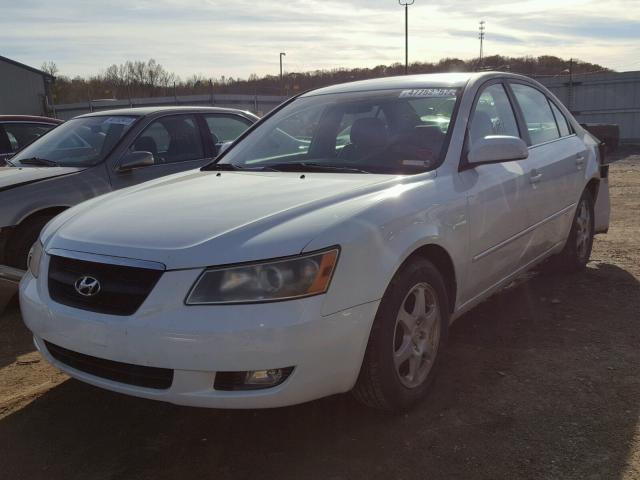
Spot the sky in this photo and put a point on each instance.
(240, 37)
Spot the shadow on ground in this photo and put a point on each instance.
(539, 382)
(14, 338)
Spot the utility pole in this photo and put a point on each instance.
(405, 4)
(570, 105)
(282, 54)
(481, 37)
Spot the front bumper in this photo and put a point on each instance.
(198, 341)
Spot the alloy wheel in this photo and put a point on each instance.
(417, 335)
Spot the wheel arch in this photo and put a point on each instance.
(593, 186)
(439, 256)
(48, 211)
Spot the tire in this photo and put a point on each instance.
(577, 251)
(22, 239)
(386, 381)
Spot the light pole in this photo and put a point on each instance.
(282, 54)
(405, 4)
(481, 37)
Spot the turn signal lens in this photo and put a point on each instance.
(33, 260)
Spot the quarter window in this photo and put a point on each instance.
(493, 115)
(171, 139)
(540, 121)
(563, 125)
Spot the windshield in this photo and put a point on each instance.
(76, 143)
(389, 131)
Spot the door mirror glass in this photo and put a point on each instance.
(135, 160)
(497, 148)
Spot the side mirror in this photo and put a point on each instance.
(497, 148)
(134, 160)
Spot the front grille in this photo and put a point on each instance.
(140, 376)
(122, 288)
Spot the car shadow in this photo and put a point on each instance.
(540, 381)
(15, 339)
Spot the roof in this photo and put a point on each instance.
(26, 67)
(431, 80)
(30, 118)
(143, 111)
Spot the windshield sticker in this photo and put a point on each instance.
(429, 92)
(120, 120)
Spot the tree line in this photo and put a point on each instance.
(135, 79)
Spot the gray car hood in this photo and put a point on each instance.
(11, 177)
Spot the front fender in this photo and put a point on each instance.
(62, 191)
(375, 243)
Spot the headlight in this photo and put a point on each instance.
(274, 280)
(33, 260)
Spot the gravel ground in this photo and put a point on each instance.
(541, 381)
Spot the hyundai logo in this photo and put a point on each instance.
(87, 286)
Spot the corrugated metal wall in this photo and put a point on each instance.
(259, 104)
(602, 98)
(21, 91)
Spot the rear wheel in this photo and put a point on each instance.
(406, 340)
(577, 251)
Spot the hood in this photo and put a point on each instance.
(11, 177)
(208, 218)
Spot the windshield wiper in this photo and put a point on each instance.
(222, 167)
(38, 161)
(230, 167)
(311, 167)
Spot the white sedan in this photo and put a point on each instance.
(327, 250)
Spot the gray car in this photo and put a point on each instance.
(96, 153)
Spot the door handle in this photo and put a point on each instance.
(535, 177)
(580, 161)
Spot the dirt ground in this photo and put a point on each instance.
(541, 381)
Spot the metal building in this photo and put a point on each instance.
(23, 89)
(607, 97)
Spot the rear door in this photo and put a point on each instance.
(554, 158)
(177, 144)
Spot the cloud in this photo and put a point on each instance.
(215, 38)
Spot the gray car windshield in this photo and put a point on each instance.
(388, 131)
(76, 143)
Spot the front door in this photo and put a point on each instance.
(176, 142)
(497, 195)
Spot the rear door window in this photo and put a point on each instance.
(538, 117)
(563, 125)
(226, 128)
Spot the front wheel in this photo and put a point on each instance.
(577, 251)
(22, 239)
(406, 340)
